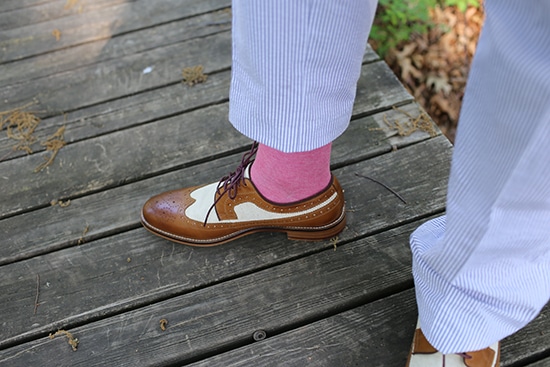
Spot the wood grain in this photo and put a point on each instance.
(77, 275)
(145, 150)
(364, 139)
(377, 334)
(100, 24)
(141, 40)
(48, 11)
(305, 301)
(228, 313)
(147, 105)
(91, 269)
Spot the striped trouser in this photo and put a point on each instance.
(483, 271)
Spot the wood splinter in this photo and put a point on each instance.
(37, 293)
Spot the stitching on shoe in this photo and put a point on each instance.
(233, 234)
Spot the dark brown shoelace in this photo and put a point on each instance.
(230, 184)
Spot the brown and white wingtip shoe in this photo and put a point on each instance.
(423, 354)
(220, 212)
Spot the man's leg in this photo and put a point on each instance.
(294, 76)
(482, 273)
(295, 69)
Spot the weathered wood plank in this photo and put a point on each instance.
(149, 149)
(106, 161)
(127, 112)
(362, 140)
(123, 76)
(71, 90)
(9, 5)
(73, 280)
(103, 23)
(228, 313)
(380, 87)
(126, 44)
(171, 100)
(224, 316)
(136, 270)
(48, 11)
(531, 341)
(377, 334)
(541, 363)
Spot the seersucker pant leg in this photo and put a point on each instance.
(295, 69)
(483, 271)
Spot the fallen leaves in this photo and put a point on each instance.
(422, 122)
(408, 71)
(434, 67)
(439, 84)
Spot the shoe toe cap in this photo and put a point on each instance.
(165, 210)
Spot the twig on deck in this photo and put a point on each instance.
(53, 144)
(385, 186)
(334, 241)
(37, 293)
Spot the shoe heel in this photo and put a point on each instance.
(317, 235)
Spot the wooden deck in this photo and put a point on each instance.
(113, 78)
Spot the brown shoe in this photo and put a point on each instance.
(422, 354)
(220, 212)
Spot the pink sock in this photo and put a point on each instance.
(288, 177)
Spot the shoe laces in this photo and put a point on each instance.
(229, 184)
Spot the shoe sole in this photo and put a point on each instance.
(293, 233)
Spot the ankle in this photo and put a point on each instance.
(288, 177)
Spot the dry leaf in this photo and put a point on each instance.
(439, 84)
(434, 66)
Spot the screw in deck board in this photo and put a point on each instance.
(259, 335)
